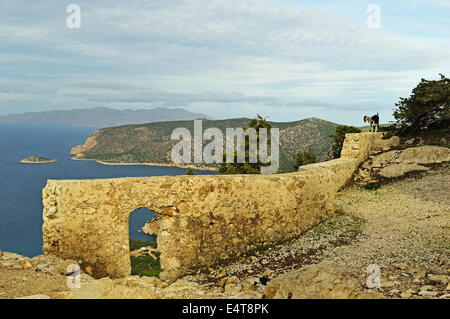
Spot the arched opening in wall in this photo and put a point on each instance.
(144, 257)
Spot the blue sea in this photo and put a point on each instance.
(21, 184)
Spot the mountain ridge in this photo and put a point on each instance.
(102, 116)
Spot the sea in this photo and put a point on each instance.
(21, 184)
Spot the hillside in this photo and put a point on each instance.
(151, 143)
(102, 116)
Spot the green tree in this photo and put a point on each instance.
(247, 167)
(190, 172)
(304, 158)
(339, 138)
(427, 107)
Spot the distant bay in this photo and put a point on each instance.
(21, 185)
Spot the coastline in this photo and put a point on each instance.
(204, 168)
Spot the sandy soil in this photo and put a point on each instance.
(19, 283)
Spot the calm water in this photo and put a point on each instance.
(21, 184)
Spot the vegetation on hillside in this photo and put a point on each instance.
(144, 265)
(151, 143)
(339, 137)
(304, 158)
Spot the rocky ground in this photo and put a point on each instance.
(403, 227)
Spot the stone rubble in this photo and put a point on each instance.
(397, 163)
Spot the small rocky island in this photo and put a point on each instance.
(37, 160)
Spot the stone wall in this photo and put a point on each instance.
(205, 219)
(356, 149)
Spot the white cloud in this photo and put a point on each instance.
(444, 3)
(193, 52)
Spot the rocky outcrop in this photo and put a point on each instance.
(134, 287)
(144, 251)
(152, 227)
(396, 163)
(321, 281)
(37, 160)
(397, 170)
(14, 261)
(47, 263)
(79, 150)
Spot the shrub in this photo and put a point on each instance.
(146, 265)
(372, 186)
(304, 158)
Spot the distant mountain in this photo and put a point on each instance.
(151, 143)
(102, 116)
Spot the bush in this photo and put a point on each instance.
(146, 265)
(372, 186)
(428, 107)
(339, 138)
(304, 158)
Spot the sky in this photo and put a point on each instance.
(283, 59)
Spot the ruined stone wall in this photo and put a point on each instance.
(356, 149)
(359, 145)
(205, 219)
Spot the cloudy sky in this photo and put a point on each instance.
(285, 60)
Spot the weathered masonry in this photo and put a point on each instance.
(205, 219)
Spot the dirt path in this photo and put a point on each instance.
(406, 232)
